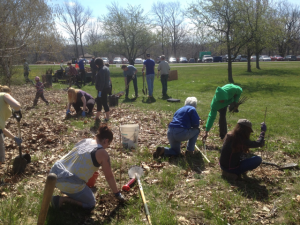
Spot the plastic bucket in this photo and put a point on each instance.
(113, 100)
(130, 134)
(92, 180)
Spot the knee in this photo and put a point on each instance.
(258, 160)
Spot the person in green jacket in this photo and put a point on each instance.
(224, 96)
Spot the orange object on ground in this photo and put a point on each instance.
(76, 66)
(92, 180)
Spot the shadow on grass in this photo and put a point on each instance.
(271, 72)
(148, 100)
(259, 86)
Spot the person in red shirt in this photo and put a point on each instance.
(73, 75)
(39, 91)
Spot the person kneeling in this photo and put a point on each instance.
(75, 169)
(184, 127)
(237, 143)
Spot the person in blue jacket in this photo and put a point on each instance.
(184, 127)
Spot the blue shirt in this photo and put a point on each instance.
(130, 71)
(81, 64)
(186, 117)
(149, 63)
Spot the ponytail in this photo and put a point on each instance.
(104, 133)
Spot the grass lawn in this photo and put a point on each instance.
(183, 190)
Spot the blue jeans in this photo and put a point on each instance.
(86, 197)
(129, 78)
(150, 81)
(177, 135)
(245, 165)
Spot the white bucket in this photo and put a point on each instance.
(130, 134)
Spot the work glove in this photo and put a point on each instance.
(18, 140)
(120, 197)
(83, 113)
(233, 107)
(263, 127)
(99, 94)
(68, 111)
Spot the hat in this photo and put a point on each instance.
(148, 55)
(246, 123)
(37, 78)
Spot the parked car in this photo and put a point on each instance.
(172, 60)
(241, 58)
(207, 58)
(298, 57)
(105, 60)
(290, 58)
(276, 58)
(183, 60)
(138, 61)
(225, 58)
(125, 61)
(253, 58)
(264, 58)
(117, 60)
(217, 59)
(192, 60)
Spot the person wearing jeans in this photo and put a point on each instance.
(184, 127)
(149, 64)
(237, 143)
(129, 73)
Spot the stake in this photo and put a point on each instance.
(202, 154)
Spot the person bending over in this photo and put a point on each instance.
(236, 143)
(75, 169)
(78, 98)
(184, 127)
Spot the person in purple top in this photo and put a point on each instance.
(82, 70)
(184, 127)
(149, 64)
(78, 98)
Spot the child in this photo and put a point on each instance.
(39, 91)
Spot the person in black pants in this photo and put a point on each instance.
(94, 69)
(78, 98)
(102, 87)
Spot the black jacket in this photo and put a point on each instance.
(102, 79)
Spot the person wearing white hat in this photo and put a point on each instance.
(236, 143)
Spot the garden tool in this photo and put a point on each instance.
(48, 191)
(233, 107)
(20, 161)
(126, 187)
(202, 154)
(285, 166)
(144, 84)
(136, 172)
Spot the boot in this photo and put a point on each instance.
(229, 176)
(159, 152)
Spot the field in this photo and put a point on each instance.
(178, 190)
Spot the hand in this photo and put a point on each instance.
(18, 140)
(233, 107)
(83, 113)
(204, 137)
(120, 197)
(68, 111)
(263, 127)
(99, 94)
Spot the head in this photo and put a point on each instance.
(37, 79)
(5, 89)
(69, 64)
(148, 55)
(99, 62)
(241, 133)
(104, 135)
(124, 67)
(72, 95)
(163, 57)
(107, 64)
(192, 101)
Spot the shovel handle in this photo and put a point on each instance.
(144, 200)
(17, 115)
(126, 187)
(202, 154)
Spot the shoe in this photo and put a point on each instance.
(55, 202)
(106, 120)
(136, 96)
(159, 152)
(189, 153)
(229, 176)
(47, 103)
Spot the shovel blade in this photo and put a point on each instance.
(289, 166)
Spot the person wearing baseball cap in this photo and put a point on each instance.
(236, 143)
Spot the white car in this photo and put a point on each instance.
(207, 58)
(172, 60)
(264, 58)
(138, 61)
(105, 60)
(117, 60)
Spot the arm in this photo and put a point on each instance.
(69, 106)
(237, 96)
(84, 103)
(211, 118)
(12, 102)
(143, 68)
(194, 118)
(7, 133)
(125, 79)
(158, 71)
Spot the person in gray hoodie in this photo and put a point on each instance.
(102, 87)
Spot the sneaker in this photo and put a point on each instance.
(159, 152)
(229, 176)
(55, 202)
(106, 120)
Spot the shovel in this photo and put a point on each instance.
(20, 161)
(285, 166)
(137, 172)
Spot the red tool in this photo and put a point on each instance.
(126, 187)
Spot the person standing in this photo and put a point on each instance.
(163, 70)
(39, 92)
(102, 87)
(26, 70)
(94, 70)
(129, 73)
(73, 75)
(149, 64)
(82, 70)
(224, 96)
(6, 103)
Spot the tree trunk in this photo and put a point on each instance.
(257, 61)
(230, 78)
(249, 60)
